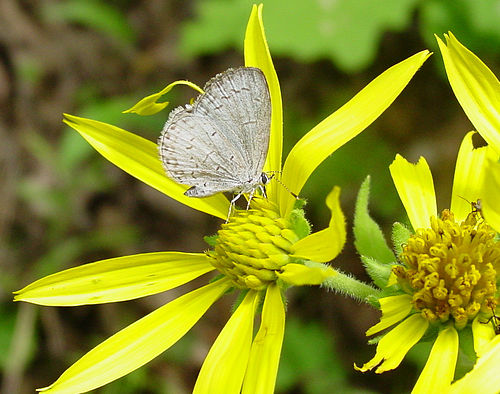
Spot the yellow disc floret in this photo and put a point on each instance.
(253, 245)
(450, 269)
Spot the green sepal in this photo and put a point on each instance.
(299, 223)
(241, 295)
(220, 277)
(379, 272)
(300, 203)
(369, 239)
(211, 240)
(466, 344)
(388, 291)
(400, 235)
(373, 300)
(375, 340)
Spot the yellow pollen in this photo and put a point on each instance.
(253, 245)
(451, 269)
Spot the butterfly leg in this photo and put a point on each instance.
(231, 205)
(252, 194)
(263, 190)
(250, 199)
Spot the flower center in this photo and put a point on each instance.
(451, 269)
(253, 245)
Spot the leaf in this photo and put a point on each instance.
(400, 235)
(96, 15)
(308, 356)
(379, 272)
(475, 23)
(369, 239)
(73, 151)
(339, 30)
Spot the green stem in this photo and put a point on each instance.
(349, 286)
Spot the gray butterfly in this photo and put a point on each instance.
(220, 142)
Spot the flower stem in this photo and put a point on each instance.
(349, 286)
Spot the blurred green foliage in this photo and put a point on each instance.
(93, 14)
(114, 53)
(346, 32)
(309, 360)
(342, 30)
(6, 332)
(475, 22)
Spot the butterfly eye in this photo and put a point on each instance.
(264, 178)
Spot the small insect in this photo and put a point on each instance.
(476, 206)
(495, 321)
(220, 142)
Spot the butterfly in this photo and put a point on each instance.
(219, 143)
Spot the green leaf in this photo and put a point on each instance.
(475, 23)
(467, 355)
(400, 235)
(379, 272)
(299, 223)
(73, 151)
(218, 25)
(369, 239)
(340, 30)
(94, 14)
(309, 356)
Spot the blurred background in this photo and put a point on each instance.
(62, 204)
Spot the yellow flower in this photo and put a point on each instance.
(478, 92)
(447, 274)
(475, 86)
(260, 252)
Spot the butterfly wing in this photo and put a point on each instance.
(190, 150)
(238, 100)
(220, 143)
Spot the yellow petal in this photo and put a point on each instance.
(257, 55)
(483, 332)
(484, 377)
(262, 369)
(440, 366)
(139, 157)
(138, 343)
(468, 180)
(396, 343)
(416, 190)
(149, 106)
(302, 275)
(224, 367)
(491, 195)
(393, 279)
(118, 279)
(394, 309)
(344, 124)
(324, 245)
(476, 88)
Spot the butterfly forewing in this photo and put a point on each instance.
(220, 143)
(238, 100)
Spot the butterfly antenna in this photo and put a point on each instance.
(475, 205)
(273, 173)
(463, 198)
